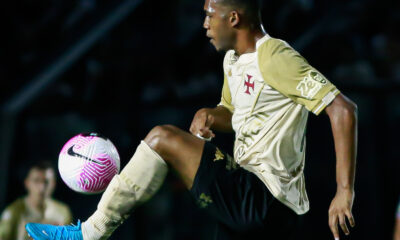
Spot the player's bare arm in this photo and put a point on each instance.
(343, 117)
(207, 119)
(396, 234)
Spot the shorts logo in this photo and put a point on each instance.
(218, 155)
(311, 84)
(204, 200)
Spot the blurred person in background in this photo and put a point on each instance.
(38, 205)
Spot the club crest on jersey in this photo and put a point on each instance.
(311, 84)
(248, 84)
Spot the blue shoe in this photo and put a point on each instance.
(39, 231)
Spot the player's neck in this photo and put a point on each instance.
(247, 40)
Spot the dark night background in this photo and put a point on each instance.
(154, 65)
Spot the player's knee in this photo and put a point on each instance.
(159, 137)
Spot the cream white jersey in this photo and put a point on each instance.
(270, 93)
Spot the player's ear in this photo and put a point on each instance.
(234, 18)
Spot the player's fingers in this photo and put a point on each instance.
(192, 126)
(206, 132)
(191, 129)
(212, 134)
(194, 130)
(198, 122)
(350, 217)
(343, 225)
(210, 121)
(333, 226)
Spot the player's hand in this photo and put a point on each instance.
(202, 123)
(340, 210)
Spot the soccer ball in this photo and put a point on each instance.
(88, 162)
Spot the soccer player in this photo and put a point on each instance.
(260, 191)
(37, 206)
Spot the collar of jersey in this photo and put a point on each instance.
(262, 40)
(246, 58)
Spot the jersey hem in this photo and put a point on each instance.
(298, 210)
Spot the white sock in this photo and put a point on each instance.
(137, 183)
(92, 231)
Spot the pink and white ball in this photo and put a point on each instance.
(88, 162)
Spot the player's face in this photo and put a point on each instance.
(36, 183)
(217, 25)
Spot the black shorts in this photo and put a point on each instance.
(242, 204)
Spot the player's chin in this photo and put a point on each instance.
(212, 41)
(221, 48)
(217, 47)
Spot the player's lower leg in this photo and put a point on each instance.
(137, 183)
(143, 175)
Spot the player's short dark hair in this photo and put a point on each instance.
(39, 165)
(251, 8)
(42, 165)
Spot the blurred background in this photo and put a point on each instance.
(122, 67)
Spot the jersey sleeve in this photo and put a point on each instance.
(226, 99)
(285, 70)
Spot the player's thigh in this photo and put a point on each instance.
(180, 149)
